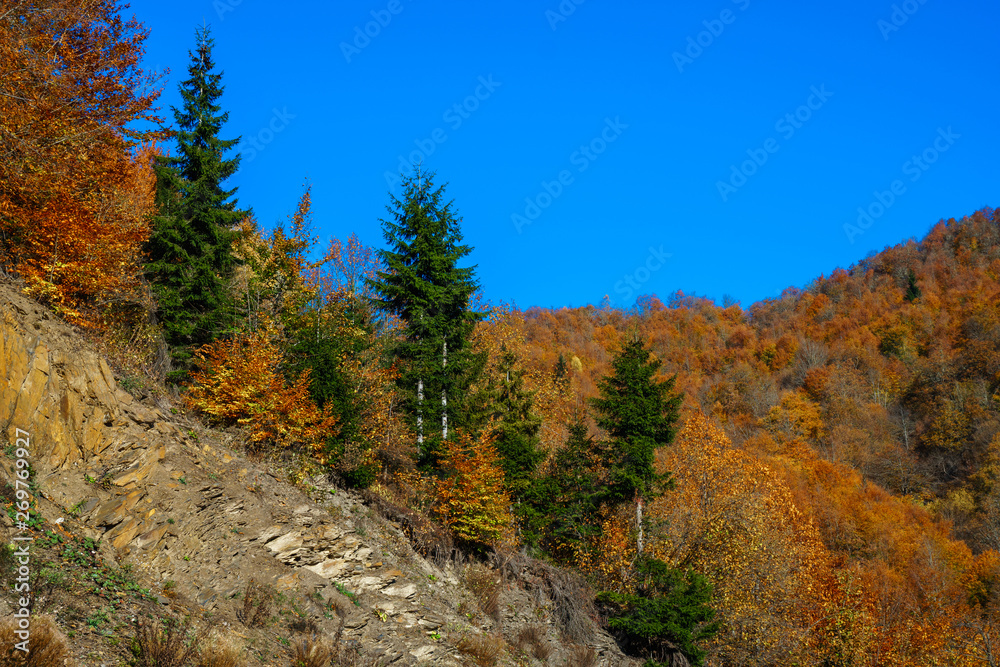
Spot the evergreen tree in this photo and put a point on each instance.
(640, 415)
(560, 374)
(190, 248)
(426, 289)
(518, 426)
(912, 289)
(667, 613)
(339, 331)
(561, 508)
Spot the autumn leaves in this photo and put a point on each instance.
(76, 187)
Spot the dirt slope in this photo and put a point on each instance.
(145, 513)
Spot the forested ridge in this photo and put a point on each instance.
(869, 398)
(809, 480)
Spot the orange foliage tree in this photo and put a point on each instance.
(733, 519)
(471, 498)
(76, 183)
(239, 381)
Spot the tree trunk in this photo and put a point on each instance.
(420, 416)
(638, 524)
(444, 395)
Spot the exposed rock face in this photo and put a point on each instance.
(67, 396)
(168, 496)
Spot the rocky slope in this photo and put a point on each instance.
(167, 505)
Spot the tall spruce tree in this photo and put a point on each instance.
(426, 289)
(517, 425)
(190, 249)
(562, 506)
(640, 415)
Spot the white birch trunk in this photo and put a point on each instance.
(638, 523)
(444, 395)
(420, 416)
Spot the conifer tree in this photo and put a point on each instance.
(640, 415)
(668, 612)
(190, 249)
(517, 426)
(560, 374)
(912, 289)
(562, 508)
(425, 288)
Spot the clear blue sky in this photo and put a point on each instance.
(643, 108)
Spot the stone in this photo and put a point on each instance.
(288, 582)
(328, 569)
(151, 538)
(401, 591)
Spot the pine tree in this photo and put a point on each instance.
(425, 288)
(560, 374)
(562, 506)
(640, 415)
(668, 612)
(517, 427)
(190, 249)
(912, 289)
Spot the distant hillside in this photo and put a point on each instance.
(875, 394)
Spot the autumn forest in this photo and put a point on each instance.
(812, 479)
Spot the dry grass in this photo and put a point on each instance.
(484, 650)
(429, 539)
(572, 599)
(531, 641)
(163, 644)
(256, 609)
(221, 650)
(48, 646)
(485, 585)
(312, 653)
(583, 656)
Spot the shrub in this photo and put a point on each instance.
(312, 653)
(583, 656)
(221, 651)
(667, 613)
(485, 585)
(256, 607)
(239, 381)
(531, 639)
(166, 646)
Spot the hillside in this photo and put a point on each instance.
(141, 513)
(873, 395)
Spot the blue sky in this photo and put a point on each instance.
(597, 148)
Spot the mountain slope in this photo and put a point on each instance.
(140, 512)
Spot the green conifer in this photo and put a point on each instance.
(190, 249)
(640, 415)
(428, 291)
(517, 426)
